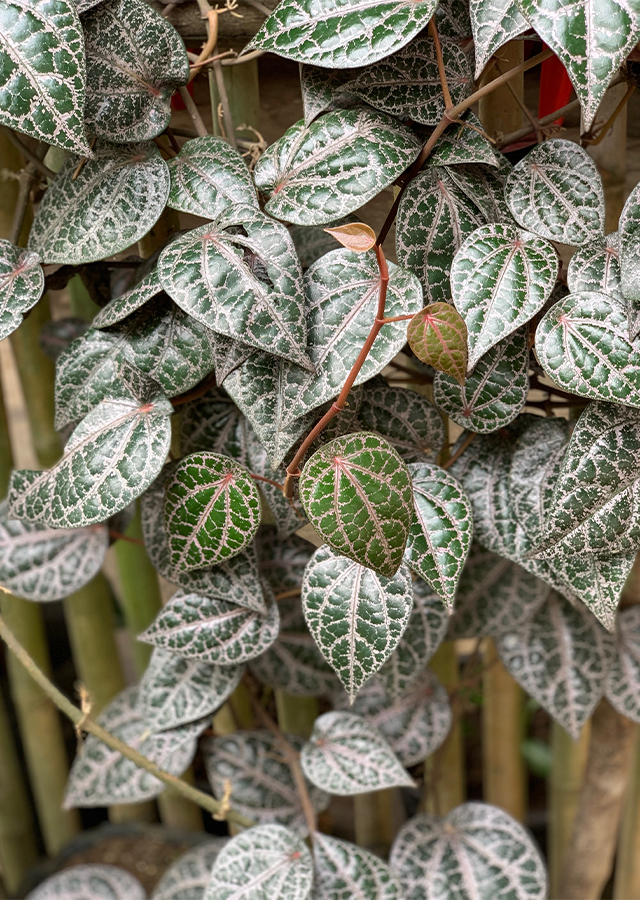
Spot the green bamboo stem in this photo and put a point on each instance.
(243, 91)
(377, 819)
(296, 715)
(80, 301)
(627, 874)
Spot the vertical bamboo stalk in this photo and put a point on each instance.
(296, 715)
(377, 818)
(500, 112)
(627, 875)
(610, 155)
(243, 91)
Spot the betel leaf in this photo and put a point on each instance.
(344, 871)
(452, 19)
(590, 40)
(441, 530)
(21, 285)
(43, 80)
(464, 143)
(560, 657)
(262, 786)
(175, 691)
(629, 239)
(135, 61)
(356, 616)
(438, 337)
(583, 345)
(240, 276)
(493, 23)
(188, 876)
(623, 680)
(556, 192)
(212, 510)
(357, 494)
(494, 393)
(484, 187)
(346, 755)
(214, 631)
(477, 847)
(406, 419)
(434, 218)
(214, 423)
(229, 355)
(123, 306)
(208, 176)
(110, 459)
(341, 36)
(596, 267)
(116, 198)
(101, 776)
(93, 881)
(500, 278)
(262, 863)
(41, 563)
(341, 161)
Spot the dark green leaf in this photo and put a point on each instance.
(494, 23)
(629, 239)
(461, 144)
(596, 267)
(343, 871)
(188, 876)
(406, 419)
(123, 306)
(21, 284)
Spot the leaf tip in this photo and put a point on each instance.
(354, 236)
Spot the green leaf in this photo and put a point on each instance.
(110, 459)
(556, 192)
(214, 631)
(500, 278)
(591, 40)
(341, 161)
(188, 876)
(283, 563)
(341, 36)
(623, 680)
(494, 22)
(43, 72)
(117, 197)
(495, 392)
(262, 785)
(229, 355)
(407, 420)
(262, 863)
(461, 144)
(452, 19)
(212, 510)
(208, 176)
(629, 241)
(596, 267)
(438, 337)
(127, 303)
(477, 848)
(21, 285)
(42, 563)
(356, 616)
(560, 657)
(101, 776)
(135, 61)
(484, 186)
(583, 345)
(175, 691)
(346, 755)
(344, 871)
(357, 494)
(240, 276)
(434, 218)
(440, 533)
(93, 881)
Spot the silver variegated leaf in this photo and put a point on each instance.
(356, 616)
(123, 306)
(341, 161)
(175, 691)
(406, 419)
(346, 755)
(325, 90)
(477, 848)
(484, 187)
(262, 786)
(229, 355)
(287, 514)
(462, 144)
(622, 687)
(452, 19)
(596, 267)
(101, 776)
(598, 583)
(344, 871)
(135, 61)
(495, 392)
(262, 863)
(21, 283)
(556, 192)
(493, 25)
(283, 562)
(213, 631)
(187, 878)
(629, 237)
(89, 882)
(117, 197)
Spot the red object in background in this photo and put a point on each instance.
(555, 88)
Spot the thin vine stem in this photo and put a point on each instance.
(470, 438)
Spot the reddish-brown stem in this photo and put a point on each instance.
(198, 391)
(388, 319)
(433, 31)
(286, 595)
(470, 438)
(266, 480)
(118, 536)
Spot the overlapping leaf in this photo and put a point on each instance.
(98, 882)
(188, 876)
(406, 419)
(283, 563)
(493, 25)
(341, 161)
(438, 337)
(462, 144)
(344, 871)
(623, 680)
(229, 355)
(123, 306)
(313, 241)
(21, 285)
(629, 240)
(484, 186)
(596, 267)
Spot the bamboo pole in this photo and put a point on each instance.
(243, 91)
(296, 715)
(627, 874)
(500, 112)
(610, 156)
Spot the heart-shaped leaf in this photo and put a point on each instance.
(494, 22)
(212, 510)
(41, 563)
(116, 198)
(213, 631)
(452, 19)
(356, 616)
(596, 267)
(175, 691)
(462, 144)
(623, 679)
(438, 337)
(440, 533)
(494, 393)
(346, 755)
(187, 878)
(556, 192)
(229, 355)
(434, 218)
(123, 306)
(240, 277)
(209, 176)
(101, 776)
(93, 881)
(357, 494)
(262, 785)
(500, 278)
(43, 72)
(407, 420)
(283, 563)
(135, 61)
(484, 187)
(21, 285)
(629, 239)
(341, 161)
(262, 863)
(338, 36)
(343, 871)
(477, 847)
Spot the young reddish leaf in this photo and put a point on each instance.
(354, 236)
(438, 336)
